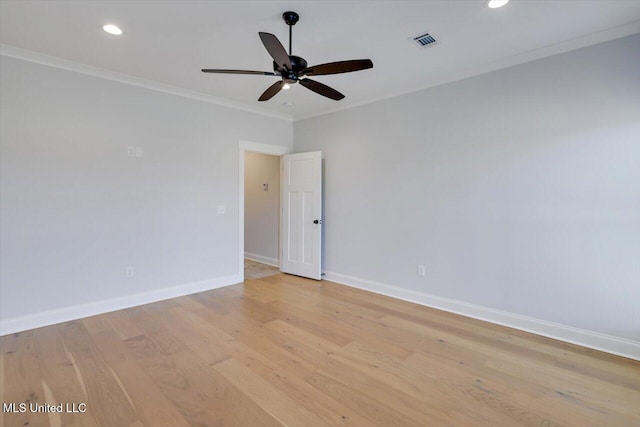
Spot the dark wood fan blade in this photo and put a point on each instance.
(276, 50)
(262, 73)
(338, 67)
(271, 91)
(321, 89)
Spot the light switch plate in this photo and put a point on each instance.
(421, 270)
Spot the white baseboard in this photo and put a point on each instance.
(31, 321)
(262, 259)
(582, 337)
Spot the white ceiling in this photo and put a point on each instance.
(170, 41)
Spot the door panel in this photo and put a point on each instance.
(308, 227)
(292, 225)
(301, 196)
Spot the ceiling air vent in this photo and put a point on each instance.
(425, 40)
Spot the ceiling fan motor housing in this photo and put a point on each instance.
(297, 65)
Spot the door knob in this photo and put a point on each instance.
(317, 221)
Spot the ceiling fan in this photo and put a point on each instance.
(293, 69)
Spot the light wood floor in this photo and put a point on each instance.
(258, 270)
(285, 351)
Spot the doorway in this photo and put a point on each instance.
(300, 211)
(259, 218)
(261, 215)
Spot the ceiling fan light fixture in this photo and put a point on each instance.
(112, 29)
(494, 4)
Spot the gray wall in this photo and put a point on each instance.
(518, 189)
(75, 210)
(261, 208)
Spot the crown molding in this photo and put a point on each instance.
(532, 55)
(510, 61)
(65, 64)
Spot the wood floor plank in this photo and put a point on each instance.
(268, 397)
(22, 381)
(374, 410)
(429, 389)
(567, 383)
(106, 401)
(301, 357)
(149, 403)
(336, 320)
(532, 359)
(122, 324)
(524, 405)
(149, 324)
(234, 407)
(364, 375)
(337, 326)
(58, 370)
(194, 403)
(188, 328)
(321, 324)
(95, 324)
(275, 367)
(284, 351)
(256, 270)
(569, 356)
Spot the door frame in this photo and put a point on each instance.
(255, 147)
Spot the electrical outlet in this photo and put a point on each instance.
(421, 271)
(130, 272)
(131, 151)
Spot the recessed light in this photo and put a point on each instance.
(112, 29)
(494, 4)
(286, 86)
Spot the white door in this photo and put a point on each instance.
(301, 228)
